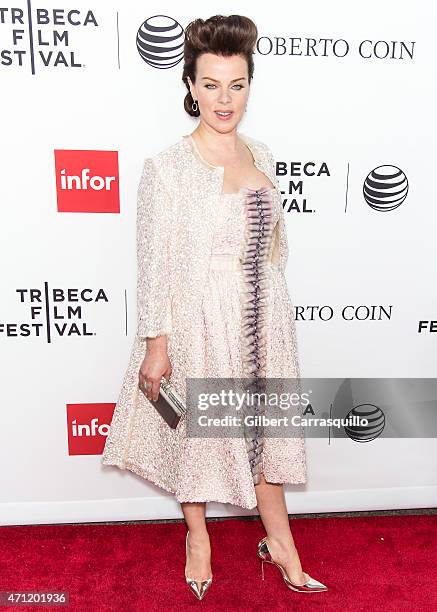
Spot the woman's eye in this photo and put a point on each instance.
(209, 85)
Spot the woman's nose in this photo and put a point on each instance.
(224, 97)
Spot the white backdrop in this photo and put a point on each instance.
(345, 103)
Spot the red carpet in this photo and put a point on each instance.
(368, 563)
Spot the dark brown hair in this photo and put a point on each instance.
(231, 35)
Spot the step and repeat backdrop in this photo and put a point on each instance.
(345, 97)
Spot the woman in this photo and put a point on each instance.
(198, 313)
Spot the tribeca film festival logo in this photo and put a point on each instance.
(87, 181)
(296, 171)
(53, 312)
(41, 38)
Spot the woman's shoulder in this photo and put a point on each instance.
(168, 155)
(168, 167)
(165, 165)
(261, 146)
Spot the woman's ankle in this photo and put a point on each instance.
(198, 536)
(282, 547)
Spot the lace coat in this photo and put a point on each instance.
(177, 201)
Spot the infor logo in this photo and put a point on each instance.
(87, 181)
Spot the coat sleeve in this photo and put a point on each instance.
(152, 237)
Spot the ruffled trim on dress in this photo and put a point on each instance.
(258, 205)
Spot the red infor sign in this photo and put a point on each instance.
(88, 426)
(87, 181)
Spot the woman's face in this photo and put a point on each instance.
(222, 84)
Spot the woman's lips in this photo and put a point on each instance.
(224, 117)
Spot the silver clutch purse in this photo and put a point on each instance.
(169, 404)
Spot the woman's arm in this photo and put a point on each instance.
(153, 227)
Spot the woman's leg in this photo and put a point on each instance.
(198, 563)
(273, 511)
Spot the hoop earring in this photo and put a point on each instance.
(192, 106)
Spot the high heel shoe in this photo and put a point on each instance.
(310, 586)
(198, 587)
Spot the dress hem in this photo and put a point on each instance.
(159, 483)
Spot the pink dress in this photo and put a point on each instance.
(246, 329)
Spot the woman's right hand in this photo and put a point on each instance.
(156, 364)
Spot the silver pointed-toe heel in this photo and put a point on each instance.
(310, 586)
(198, 587)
